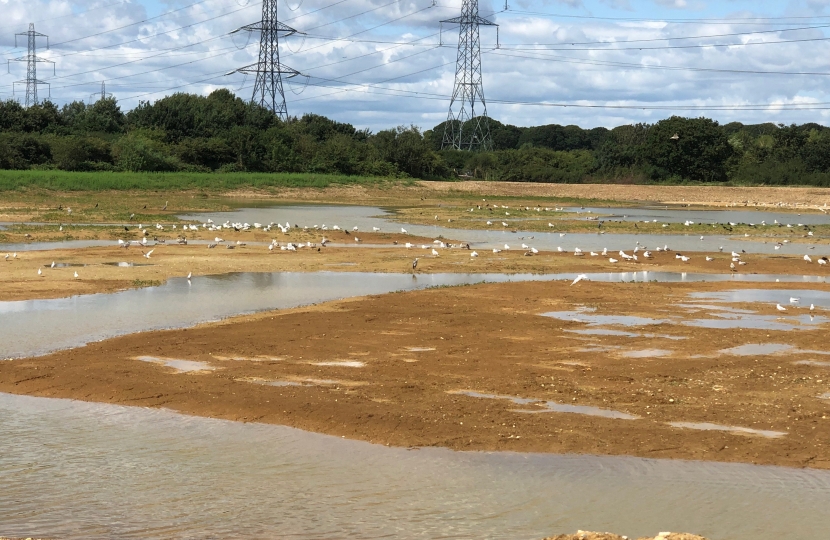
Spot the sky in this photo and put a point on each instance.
(381, 63)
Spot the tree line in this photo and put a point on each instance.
(220, 132)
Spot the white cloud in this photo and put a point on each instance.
(405, 82)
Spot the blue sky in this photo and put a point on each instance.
(376, 63)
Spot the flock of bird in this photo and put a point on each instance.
(637, 254)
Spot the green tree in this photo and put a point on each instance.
(699, 151)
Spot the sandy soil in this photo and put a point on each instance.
(19, 279)
(391, 369)
(587, 535)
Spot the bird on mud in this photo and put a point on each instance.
(779, 307)
(415, 264)
(473, 254)
(434, 252)
(39, 272)
(189, 275)
(76, 274)
(808, 259)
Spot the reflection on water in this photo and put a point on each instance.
(31, 327)
(673, 214)
(182, 366)
(705, 426)
(551, 406)
(75, 470)
(366, 217)
(757, 349)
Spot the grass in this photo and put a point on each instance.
(126, 181)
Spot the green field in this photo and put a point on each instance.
(128, 181)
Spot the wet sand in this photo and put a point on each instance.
(588, 535)
(98, 271)
(479, 368)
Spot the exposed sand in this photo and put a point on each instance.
(19, 279)
(392, 369)
(587, 535)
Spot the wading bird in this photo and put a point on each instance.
(579, 278)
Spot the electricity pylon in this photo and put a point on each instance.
(468, 90)
(268, 91)
(31, 60)
(103, 93)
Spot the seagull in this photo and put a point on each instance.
(147, 255)
(434, 252)
(732, 266)
(76, 274)
(612, 260)
(794, 300)
(53, 264)
(415, 264)
(217, 240)
(39, 272)
(403, 231)
(779, 307)
(189, 275)
(506, 247)
(503, 224)
(579, 278)
(534, 251)
(808, 259)
(710, 259)
(473, 254)
(812, 307)
(496, 250)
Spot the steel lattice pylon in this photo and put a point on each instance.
(31, 60)
(268, 91)
(468, 89)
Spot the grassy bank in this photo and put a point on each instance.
(127, 181)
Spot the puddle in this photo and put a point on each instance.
(812, 363)
(551, 406)
(585, 316)
(757, 349)
(420, 349)
(124, 264)
(343, 363)
(734, 429)
(250, 358)
(621, 333)
(821, 299)
(182, 366)
(64, 265)
(758, 322)
(265, 382)
(647, 353)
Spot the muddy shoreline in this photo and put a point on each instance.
(416, 369)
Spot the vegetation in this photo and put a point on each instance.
(218, 141)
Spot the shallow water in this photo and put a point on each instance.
(551, 406)
(31, 327)
(76, 470)
(365, 218)
(706, 426)
(757, 349)
(181, 366)
(673, 214)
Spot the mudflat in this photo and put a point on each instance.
(510, 367)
